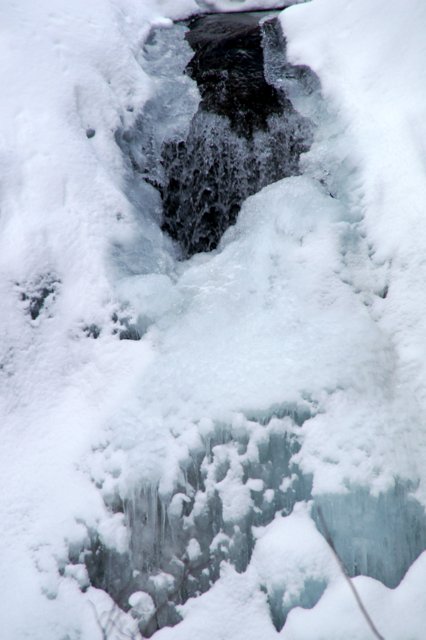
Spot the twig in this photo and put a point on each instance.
(110, 624)
(355, 593)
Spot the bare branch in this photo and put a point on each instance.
(109, 622)
(351, 585)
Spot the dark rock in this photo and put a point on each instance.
(245, 135)
(92, 331)
(229, 70)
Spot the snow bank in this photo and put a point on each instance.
(370, 58)
(70, 76)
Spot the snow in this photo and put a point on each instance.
(64, 69)
(290, 309)
(376, 91)
(236, 608)
(142, 605)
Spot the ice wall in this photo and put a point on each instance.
(238, 478)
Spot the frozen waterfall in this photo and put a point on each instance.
(230, 115)
(213, 328)
(244, 132)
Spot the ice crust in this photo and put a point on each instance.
(309, 317)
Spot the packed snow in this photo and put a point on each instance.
(307, 322)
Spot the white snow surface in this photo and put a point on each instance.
(288, 309)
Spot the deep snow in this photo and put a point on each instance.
(311, 299)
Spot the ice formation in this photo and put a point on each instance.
(174, 420)
(242, 472)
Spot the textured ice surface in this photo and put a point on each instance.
(232, 472)
(378, 536)
(320, 302)
(236, 478)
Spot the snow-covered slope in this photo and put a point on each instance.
(313, 304)
(65, 69)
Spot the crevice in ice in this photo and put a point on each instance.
(281, 602)
(126, 327)
(299, 413)
(92, 330)
(121, 324)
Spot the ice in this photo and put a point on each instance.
(293, 563)
(113, 534)
(282, 372)
(378, 536)
(282, 276)
(294, 259)
(166, 115)
(209, 517)
(142, 607)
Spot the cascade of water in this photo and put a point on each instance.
(245, 134)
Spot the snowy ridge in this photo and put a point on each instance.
(315, 298)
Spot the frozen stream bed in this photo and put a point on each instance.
(201, 349)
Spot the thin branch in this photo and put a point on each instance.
(351, 585)
(98, 621)
(111, 622)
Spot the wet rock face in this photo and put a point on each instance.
(245, 135)
(229, 69)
